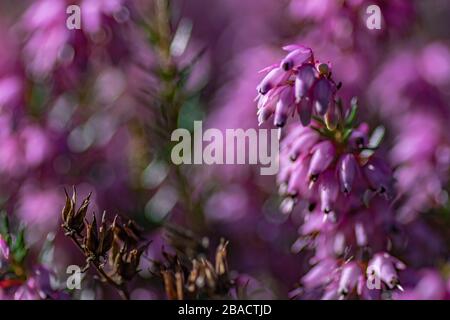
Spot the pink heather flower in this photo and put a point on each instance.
(322, 170)
(270, 81)
(4, 248)
(297, 56)
(359, 136)
(322, 155)
(319, 274)
(299, 84)
(385, 266)
(348, 279)
(322, 93)
(347, 170)
(351, 278)
(330, 166)
(328, 189)
(379, 176)
(304, 81)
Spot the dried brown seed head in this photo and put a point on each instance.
(221, 266)
(77, 223)
(105, 237)
(91, 239)
(68, 210)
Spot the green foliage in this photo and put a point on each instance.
(15, 240)
(350, 118)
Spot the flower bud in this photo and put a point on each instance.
(303, 144)
(304, 80)
(319, 274)
(385, 267)
(350, 275)
(282, 109)
(322, 95)
(323, 69)
(321, 159)
(304, 109)
(348, 167)
(328, 191)
(295, 58)
(379, 176)
(273, 78)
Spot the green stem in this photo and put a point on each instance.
(172, 99)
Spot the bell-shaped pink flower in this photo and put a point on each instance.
(379, 176)
(283, 107)
(347, 170)
(384, 266)
(322, 95)
(329, 191)
(274, 77)
(303, 144)
(296, 57)
(304, 80)
(321, 159)
(305, 110)
(350, 276)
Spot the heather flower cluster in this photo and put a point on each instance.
(333, 169)
(298, 84)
